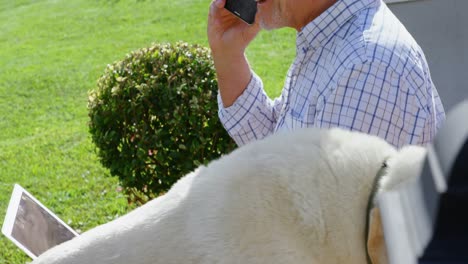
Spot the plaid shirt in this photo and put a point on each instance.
(357, 68)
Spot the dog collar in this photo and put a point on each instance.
(370, 203)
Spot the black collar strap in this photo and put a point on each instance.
(370, 203)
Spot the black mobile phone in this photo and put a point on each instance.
(244, 9)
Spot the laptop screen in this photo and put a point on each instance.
(32, 226)
(36, 229)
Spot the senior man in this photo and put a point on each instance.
(356, 67)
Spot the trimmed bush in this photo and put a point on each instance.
(153, 117)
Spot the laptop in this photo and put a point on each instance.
(33, 227)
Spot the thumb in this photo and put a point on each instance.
(254, 28)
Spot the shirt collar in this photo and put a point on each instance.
(314, 34)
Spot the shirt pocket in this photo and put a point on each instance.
(295, 119)
(302, 114)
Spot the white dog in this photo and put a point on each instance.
(297, 197)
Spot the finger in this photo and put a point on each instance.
(251, 31)
(219, 3)
(216, 8)
(220, 16)
(257, 19)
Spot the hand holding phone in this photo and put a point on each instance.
(244, 9)
(228, 36)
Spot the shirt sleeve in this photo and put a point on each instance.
(374, 99)
(252, 116)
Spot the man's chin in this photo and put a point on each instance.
(269, 21)
(266, 25)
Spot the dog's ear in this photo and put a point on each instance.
(376, 247)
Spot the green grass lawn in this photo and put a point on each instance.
(51, 54)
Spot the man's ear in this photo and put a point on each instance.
(376, 247)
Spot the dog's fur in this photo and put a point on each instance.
(297, 197)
